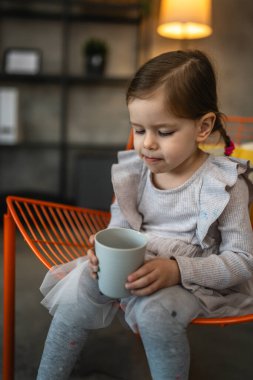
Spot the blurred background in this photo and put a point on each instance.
(59, 115)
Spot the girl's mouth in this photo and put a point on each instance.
(151, 160)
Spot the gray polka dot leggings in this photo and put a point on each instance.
(161, 319)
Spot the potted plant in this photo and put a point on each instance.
(95, 54)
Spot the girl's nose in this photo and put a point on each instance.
(149, 141)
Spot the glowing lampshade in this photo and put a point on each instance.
(185, 19)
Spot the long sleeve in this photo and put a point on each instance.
(234, 263)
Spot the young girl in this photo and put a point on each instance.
(193, 208)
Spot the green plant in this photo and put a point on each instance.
(95, 46)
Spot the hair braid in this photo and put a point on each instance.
(219, 126)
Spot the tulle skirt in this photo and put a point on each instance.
(71, 284)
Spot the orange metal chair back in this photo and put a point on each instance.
(240, 129)
(56, 234)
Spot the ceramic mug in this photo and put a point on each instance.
(120, 251)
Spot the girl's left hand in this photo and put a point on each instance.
(153, 275)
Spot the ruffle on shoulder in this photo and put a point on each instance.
(127, 184)
(221, 174)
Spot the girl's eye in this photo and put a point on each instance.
(165, 134)
(139, 131)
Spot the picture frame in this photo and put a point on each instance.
(22, 61)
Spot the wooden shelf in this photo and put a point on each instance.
(30, 145)
(57, 145)
(60, 79)
(79, 11)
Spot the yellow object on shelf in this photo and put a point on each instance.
(244, 151)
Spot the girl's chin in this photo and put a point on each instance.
(155, 170)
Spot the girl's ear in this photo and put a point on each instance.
(205, 126)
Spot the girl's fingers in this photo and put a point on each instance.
(93, 270)
(92, 257)
(142, 282)
(141, 272)
(93, 275)
(93, 263)
(146, 291)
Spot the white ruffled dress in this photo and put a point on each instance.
(216, 262)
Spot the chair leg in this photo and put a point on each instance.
(9, 298)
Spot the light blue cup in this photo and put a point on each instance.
(120, 251)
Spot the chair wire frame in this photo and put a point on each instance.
(56, 234)
(240, 128)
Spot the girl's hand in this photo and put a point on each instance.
(93, 260)
(155, 274)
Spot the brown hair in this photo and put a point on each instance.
(190, 85)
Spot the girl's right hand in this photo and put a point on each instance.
(93, 260)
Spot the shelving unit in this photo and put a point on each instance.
(65, 14)
(57, 79)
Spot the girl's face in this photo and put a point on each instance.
(166, 143)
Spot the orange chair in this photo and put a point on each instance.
(56, 234)
(240, 128)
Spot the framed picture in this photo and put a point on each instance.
(22, 61)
